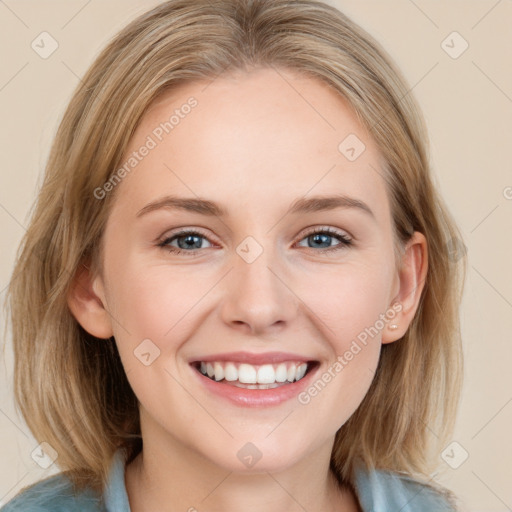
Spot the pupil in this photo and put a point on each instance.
(189, 241)
(319, 237)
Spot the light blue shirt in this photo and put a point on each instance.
(377, 491)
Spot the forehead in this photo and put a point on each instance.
(259, 135)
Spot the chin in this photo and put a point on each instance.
(258, 454)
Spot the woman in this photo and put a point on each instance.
(205, 352)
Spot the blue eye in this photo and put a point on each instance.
(190, 241)
(326, 236)
(186, 240)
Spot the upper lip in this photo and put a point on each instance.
(253, 358)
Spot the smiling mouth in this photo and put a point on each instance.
(249, 376)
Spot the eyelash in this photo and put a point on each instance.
(345, 241)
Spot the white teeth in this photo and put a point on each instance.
(230, 372)
(263, 377)
(219, 371)
(266, 374)
(247, 374)
(301, 371)
(281, 373)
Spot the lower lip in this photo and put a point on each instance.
(256, 397)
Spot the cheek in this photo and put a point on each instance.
(349, 301)
(151, 301)
(350, 307)
(153, 307)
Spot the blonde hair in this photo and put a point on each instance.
(71, 387)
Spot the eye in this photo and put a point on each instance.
(188, 241)
(322, 238)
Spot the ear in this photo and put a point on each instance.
(86, 300)
(411, 281)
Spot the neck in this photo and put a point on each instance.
(178, 478)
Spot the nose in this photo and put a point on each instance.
(257, 300)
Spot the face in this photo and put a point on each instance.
(222, 255)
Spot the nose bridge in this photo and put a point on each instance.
(256, 295)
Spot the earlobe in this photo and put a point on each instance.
(412, 277)
(87, 306)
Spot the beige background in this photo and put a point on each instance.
(467, 103)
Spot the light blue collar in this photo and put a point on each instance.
(116, 498)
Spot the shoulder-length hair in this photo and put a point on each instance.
(71, 387)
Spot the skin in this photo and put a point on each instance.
(256, 142)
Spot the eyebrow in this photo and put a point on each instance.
(302, 205)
